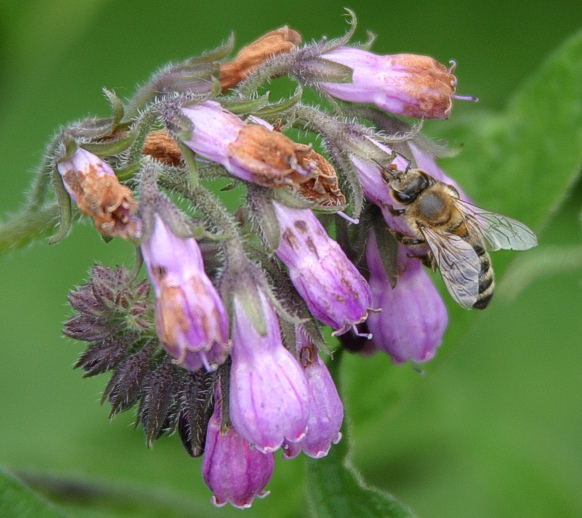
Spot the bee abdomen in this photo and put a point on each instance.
(486, 282)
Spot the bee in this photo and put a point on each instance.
(458, 233)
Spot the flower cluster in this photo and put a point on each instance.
(229, 351)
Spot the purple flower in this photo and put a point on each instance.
(403, 84)
(251, 152)
(92, 184)
(413, 317)
(190, 316)
(332, 287)
(326, 411)
(234, 470)
(269, 397)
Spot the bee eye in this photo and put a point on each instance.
(404, 197)
(412, 189)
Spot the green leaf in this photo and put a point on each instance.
(335, 489)
(18, 500)
(525, 161)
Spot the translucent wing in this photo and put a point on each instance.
(498, 231)
(458, 263)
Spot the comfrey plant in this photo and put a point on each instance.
(228, 348)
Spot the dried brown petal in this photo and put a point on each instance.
(251, 57)
(102, 197)
(272, 159)
(323, 188)
(161, 146)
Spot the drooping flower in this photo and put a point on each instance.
(403, 84)
(251, 152)
(92, 184)
(190, 316)
(414, 318)
(334, 290)
(326, 411)
(234, 470)
(269, 397)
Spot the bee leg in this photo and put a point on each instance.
(429, 261)
(408, 241)
(393, 211)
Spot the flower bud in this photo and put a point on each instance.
(333, 289)
(250, 152)
(190, 316)
(269, 398)
(234, 470)
(403, 84)
(93, 185)
(413, 319)
(326, 411)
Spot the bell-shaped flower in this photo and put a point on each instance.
(190, 316)
(326, 411)
(92, 184)
(234, 470)
(269, 397)
(333, 289)
(403, 84)
(413, 319)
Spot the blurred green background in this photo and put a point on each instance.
(493, 428)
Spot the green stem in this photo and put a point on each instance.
(27, 226)
(214, 211)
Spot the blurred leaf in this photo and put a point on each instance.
(525, 161)
(17, 500)
(542, 262)
(94, 498)
(336, 490)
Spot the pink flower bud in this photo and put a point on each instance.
(403, 84)
(326, 411)
(251, 152)
(269, 397)
(333, 289)
(413, 319)
(190, 316)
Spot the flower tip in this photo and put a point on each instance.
(218, 503)
(268, 448)
(299, 438)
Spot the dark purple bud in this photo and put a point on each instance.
(413, 319)
(234, 470)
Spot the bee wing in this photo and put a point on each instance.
(498, 231)
(458, 263)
